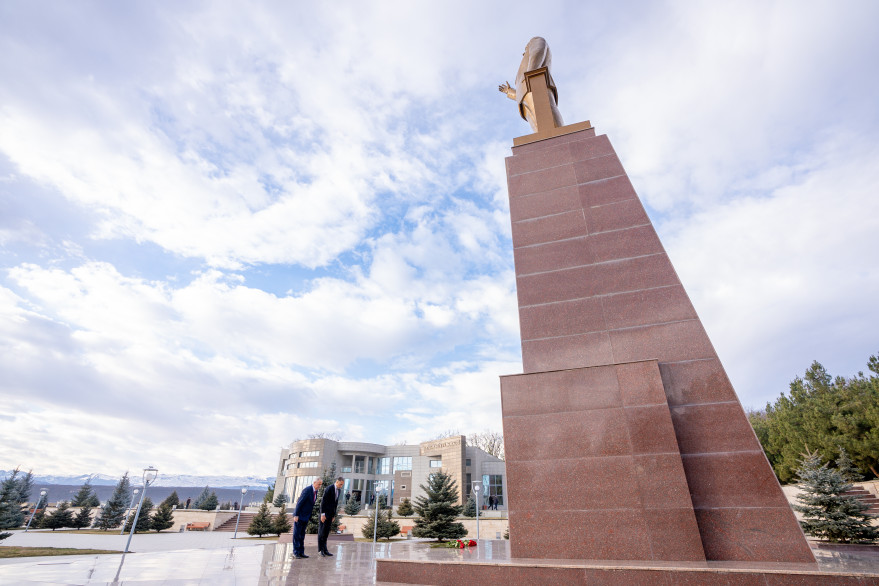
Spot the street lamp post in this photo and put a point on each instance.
(149, 475)
(43, 494)
(477, 488)
(128, 510)
(240, 506)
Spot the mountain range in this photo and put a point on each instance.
(175, 480)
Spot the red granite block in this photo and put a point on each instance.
(662, 482)
(598, 483)
(540, 181)
(674, 534)
(615, 216)
(633, 274)
(546, 203)
(598, 146)
(559, 285)
(649, 306)
(713, 427)
(627, 243)
(732, 479)
(791, 579)
(560, 390)
(696, 381)
(549, 228)
(594, 535)
(551, 156)
(552, 256)
(557, 140)
(564, 318)
(753, 534)
(640, 383)
(577, 434)
(684, 340)
(567, 352)
(606, 191)
(598, 168)
(651, 430)
(713, 578)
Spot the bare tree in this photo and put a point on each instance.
(330, 435)
(445, 434)
(489, 441)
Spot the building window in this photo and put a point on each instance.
(436, 463)
(359, 464)
(467, 462)
(370, 465)
(346, 469)
(383, 466)
(301, 483)
(468, 484)
(494, 486)
(308, 464)
(403, 463)
(309, 454)
(402, 487)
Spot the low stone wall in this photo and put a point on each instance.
(215, 518)
(488, 528)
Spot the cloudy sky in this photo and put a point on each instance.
(224, 226)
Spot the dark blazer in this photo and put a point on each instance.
(330, 502)
(305, 504)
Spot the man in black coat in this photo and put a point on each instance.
(328, 505)
(301, 516)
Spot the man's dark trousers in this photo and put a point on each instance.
(303, 509)
(299, 537)
(328, 506)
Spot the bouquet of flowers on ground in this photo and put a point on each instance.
(462, 543)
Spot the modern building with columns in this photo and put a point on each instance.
(397, 471)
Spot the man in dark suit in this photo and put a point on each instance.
(328, 506)
(301, 516)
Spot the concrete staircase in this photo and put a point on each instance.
(229, 525)
(867, 498)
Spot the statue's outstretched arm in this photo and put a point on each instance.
(505, 88)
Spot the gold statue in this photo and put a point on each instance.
(536, 55)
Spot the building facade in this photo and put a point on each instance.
(396, 471)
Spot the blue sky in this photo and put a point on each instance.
(226, 226)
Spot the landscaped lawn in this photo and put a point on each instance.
(14, 551)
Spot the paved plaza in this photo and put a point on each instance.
(215, 558)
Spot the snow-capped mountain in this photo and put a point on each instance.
(162, 480)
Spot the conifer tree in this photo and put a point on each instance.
(84, 496)
(280, 500)
(828, 512)
(405, 508)
(469, 507)
(437, 511)
(25, 485)
(202, 498)
(211, 503)
(262, 522)
(113, 511)
(269, 496)
(144, 522)
(383, 501)
(164, 517)
(38, 522)
(329, 477)
(281, 523)
(84, 517)
(59, 518)
(352, 507)
(11, 513)
(387, 527)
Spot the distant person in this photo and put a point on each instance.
(496, 499)
(301, 516)
(189, 500)
(347, 496)
(235, 506)
(328, 506)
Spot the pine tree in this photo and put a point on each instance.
(59, 518)
(383, 501)
(470, 507)
(281, 523)
(202, 498)
(173, 500)
(280, 500)
(329, 477)
(11, 514)
(352, 507)
(387, 527)
(269, 496)
(25, 485)
(39, 519)
(437, 511)
(211, 503)
(828, 512)
(164, 517)
(84, 517)
(113, 511)
(84, 496)
(262, 522)
(144, 522)
(405, 508)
